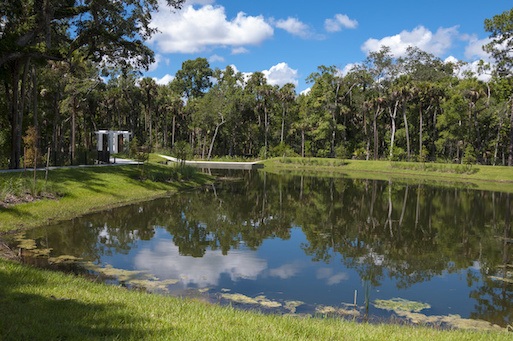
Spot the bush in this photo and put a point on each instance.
(341, 152)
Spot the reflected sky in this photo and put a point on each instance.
(315, 240)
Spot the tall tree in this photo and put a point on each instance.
(105, 30)
(501, 49)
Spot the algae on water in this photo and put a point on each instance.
(400, 304)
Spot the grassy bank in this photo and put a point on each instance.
(493, 178)
(43, 305)
(77, 191)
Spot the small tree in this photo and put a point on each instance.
(30, 158)
(182, 151)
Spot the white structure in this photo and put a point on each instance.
(112, 142)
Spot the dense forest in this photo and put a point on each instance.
(69, 68)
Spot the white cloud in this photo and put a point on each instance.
(158, 60)
(330, 277)
(165, 262)
(474, 49)
(475, 68)
(281, 74)
(436, 43)
(215, 58)
(294, 27)
(286, 271)
(306, 91)
(339, 22)
(166, 79)
(239, 50)
(193, 30)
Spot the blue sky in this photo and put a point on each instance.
(288, 40)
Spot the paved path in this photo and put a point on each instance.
(217, 164)
(113, 162)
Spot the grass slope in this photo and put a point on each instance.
(493, 178)
(43, 305)
(84, 190)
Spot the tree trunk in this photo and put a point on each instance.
(282, 123)
(407, 133)
(214, 137)
(302, 143)
(375, 128)
(420, 131)
(14, 162)
(173, 132)
(510, 148)
(392, 137)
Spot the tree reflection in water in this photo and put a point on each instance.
(406, 232)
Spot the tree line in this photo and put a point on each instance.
(69, 70)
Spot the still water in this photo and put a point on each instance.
(308, 245)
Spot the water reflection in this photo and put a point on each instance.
(313, 239)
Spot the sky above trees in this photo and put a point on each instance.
(287, 40)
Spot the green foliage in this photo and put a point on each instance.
(182, 151)
(342, 152)
(283, 150)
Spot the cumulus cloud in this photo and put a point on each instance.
(215, 58)
(166, 79)
(436, 43)
(286, 271)
(239, 50)
(330, 277)
(476, 68)
(281, 74)
(165, 262)
(474, 48)
(295, 27)
(193, 30)
(339, 22)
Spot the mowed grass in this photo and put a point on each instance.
(43, 305)
(84, 190)
(492, 178)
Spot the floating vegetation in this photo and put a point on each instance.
(153, 285)
(411, 311)
(63, 259)
(454, 321)
(259, 300)
(27, 244)
(203, 290)
(292, 305)
(400, 304)
(120, 274)
(329, 310)
(263, 301)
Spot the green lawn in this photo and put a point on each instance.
(493, 178)
(84, 190)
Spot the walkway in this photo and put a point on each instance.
(113, 162)
(217, 164)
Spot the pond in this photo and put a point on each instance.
(362, 249)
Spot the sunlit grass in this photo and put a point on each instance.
(493, 178)
(82, 190)
(42, 305)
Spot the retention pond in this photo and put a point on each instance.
(362, 249)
